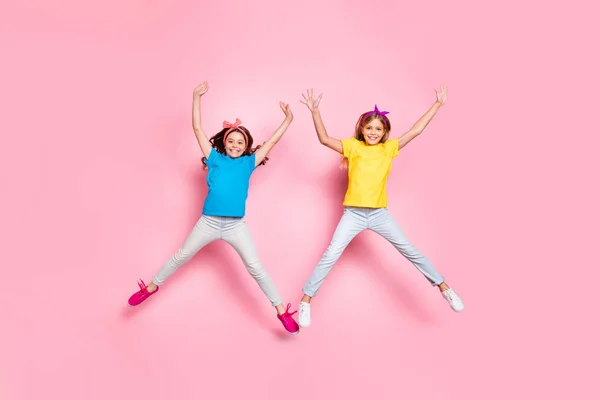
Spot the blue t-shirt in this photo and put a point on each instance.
(228, 181)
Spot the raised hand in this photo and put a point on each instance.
(201, 89)
(286, 110)
(310, 101)
(442, 95)
(203, 141)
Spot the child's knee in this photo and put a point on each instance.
(182, 255)
(256, 269)
(334, 250)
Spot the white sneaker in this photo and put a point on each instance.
(455, 302)
(304, 315)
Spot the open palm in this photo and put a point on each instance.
(201, 89)
(442, 95)
(286, 109)
(310, 101)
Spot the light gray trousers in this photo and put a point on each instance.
(235, 232)
(355, 220)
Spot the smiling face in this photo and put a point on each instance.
(373, 131)
(235, 144)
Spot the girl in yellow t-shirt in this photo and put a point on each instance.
(368, 157)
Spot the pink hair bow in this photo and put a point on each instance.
(376, 111)
(231, 127)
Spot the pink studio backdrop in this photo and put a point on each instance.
(101, 182)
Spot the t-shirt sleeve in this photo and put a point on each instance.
(251, 162)
(212, 157)
(391, 147)
(347, 145)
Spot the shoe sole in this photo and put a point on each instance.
(304, 326)
(139, 302)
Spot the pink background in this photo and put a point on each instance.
(101, 182)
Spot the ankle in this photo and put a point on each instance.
(306, 299)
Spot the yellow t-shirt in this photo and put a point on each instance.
(368, 169)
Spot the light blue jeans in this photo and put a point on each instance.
(379, 220)
(235, 232)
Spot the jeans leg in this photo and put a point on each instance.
(351, 224)
(384, 224)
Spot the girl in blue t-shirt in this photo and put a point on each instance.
(230, 160)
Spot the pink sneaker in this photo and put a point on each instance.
(141, 295)
(288, 322)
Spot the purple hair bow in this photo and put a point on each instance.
(376, 111)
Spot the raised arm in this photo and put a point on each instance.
(264, 150)
(422, 123)
(197, 121)
(324, 138)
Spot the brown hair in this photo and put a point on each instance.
(218, 143)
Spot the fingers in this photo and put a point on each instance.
(310, 93)
(442, 94)
(318, 100)
(201, 88)
(309, 99)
